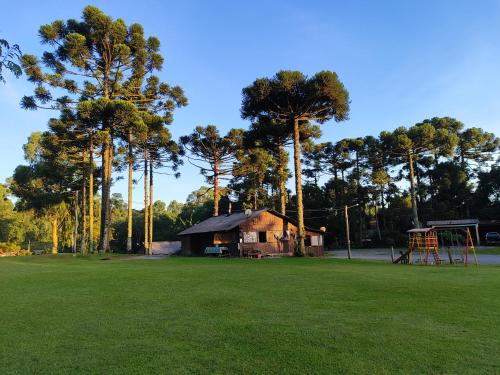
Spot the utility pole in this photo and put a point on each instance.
(346, 214)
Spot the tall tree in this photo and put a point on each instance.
(291, 96)
(407, 145)
(47, 184)
(254, 166)
(274, 136)
(96, 58)
(213, 154)
(157, 150)
(476, 147)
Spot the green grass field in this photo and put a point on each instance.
(71, 315)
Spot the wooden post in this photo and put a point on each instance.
(450, 256)
(467, 235)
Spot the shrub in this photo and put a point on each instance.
(7, 248)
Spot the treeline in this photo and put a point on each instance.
(100, 76)
(433, 170)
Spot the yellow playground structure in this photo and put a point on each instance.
(423, 246)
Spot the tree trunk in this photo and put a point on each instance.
(418, 184)
(360, 201)
(377, 223)
(216, 189)
(298, 188)
(336, 192)
(281, 180)
(129, 212)
(382, 203)
(413, 194)
(83, 239)
(146, 205)
(151, 213)
(107, 155)
(75, 229)
(91, 195)
(55, 239)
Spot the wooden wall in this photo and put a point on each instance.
(195, 244)
(275, 228)
(277, 231)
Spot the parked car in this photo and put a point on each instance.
(492, 238)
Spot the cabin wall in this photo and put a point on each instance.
(276, 230)
(280, 236)
(195, 244)
(267, 233)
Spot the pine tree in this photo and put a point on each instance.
(9, 59)
(290, 96)
(213, 154)
(100, 60)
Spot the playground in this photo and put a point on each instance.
(455, 242)
(485, 255)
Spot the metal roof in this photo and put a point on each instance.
(453, 222)
(419, 230)
(223, 223)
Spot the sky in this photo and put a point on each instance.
(401, 61)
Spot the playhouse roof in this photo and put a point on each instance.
(420, 230)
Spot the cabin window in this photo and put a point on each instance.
(316, 241)
(307, 241)
(249, 237)
(262, 237)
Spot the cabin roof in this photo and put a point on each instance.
(223, 223)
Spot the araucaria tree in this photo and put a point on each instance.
(102, 61)
(156, 150)
(274, 136)
(293, 97)
(9, 59)
(213, 154)
(47, 184)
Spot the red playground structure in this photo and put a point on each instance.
(423, 246)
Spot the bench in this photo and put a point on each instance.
(220, 251)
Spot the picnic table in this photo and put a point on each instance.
(220, 251)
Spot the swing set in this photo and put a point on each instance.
(424, 245)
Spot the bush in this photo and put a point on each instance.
(23, 253)
(7, 248)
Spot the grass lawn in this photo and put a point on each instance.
(71, 315)
(489, 250)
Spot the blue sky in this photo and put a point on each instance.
(401, 61)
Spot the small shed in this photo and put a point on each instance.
(265, 231)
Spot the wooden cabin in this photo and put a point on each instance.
(264, 231)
